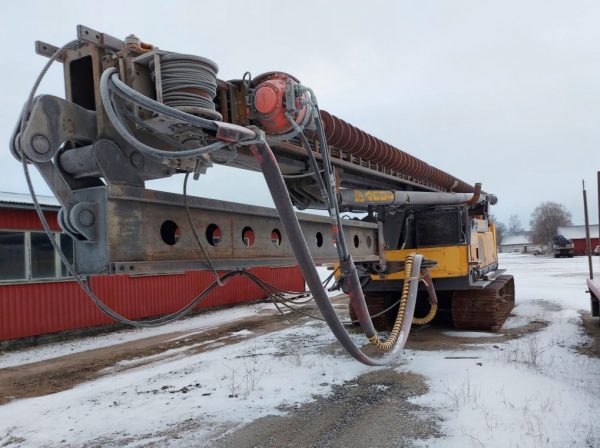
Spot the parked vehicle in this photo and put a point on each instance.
(562, 247)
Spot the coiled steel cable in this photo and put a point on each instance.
(109, 79)
(188, 83)
(132, 95)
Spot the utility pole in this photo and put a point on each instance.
(588, 244)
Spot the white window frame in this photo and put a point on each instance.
(28, 271)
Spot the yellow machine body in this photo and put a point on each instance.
(452, 261)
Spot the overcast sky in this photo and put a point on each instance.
(506, 93)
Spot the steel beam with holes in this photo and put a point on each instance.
(139, 231)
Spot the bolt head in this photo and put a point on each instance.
(86, 217)
(40, 144)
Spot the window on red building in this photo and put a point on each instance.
(43, 260)
(12, 255)
(30, 256)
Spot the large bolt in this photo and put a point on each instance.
(86, 217)
(40, 144)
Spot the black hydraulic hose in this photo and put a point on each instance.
(109, 76)
(333, 209)
(136, 97)
(289, 135)
(195, 231)
(357, 297)
(263, 153)
(311, 157)
(353, 284)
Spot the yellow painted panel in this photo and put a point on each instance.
(452, 261)
(487, 240)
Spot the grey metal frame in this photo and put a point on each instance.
(128, 239)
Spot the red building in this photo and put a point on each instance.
(577, 235)
(37, 296)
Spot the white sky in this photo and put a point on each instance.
(505, 93)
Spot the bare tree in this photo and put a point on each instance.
(514, 225)
(545, 220)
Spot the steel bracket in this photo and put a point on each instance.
(382, 265)
(115, 165)
(99, 39)
(48, 50)
(51, 122)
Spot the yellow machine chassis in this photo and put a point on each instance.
(452, 261)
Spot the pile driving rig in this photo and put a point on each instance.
(133, 112)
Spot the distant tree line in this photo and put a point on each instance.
(545, 220)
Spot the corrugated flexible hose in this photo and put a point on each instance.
(404, 318)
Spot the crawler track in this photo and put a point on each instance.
(484, 309)
(376, 304)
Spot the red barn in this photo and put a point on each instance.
(37, 296)
(577, 235)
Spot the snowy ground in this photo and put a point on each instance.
(537, 390)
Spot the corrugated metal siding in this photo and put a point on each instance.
(579, 245)
(36, 309)
(42, 308)
(25, 220)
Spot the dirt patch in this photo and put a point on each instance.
(591, 326)
(64, 372)
(433, 338)
(372, 410)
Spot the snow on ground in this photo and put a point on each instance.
(528, 392)
(472, 334)
(536, 391)
(230, 385)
